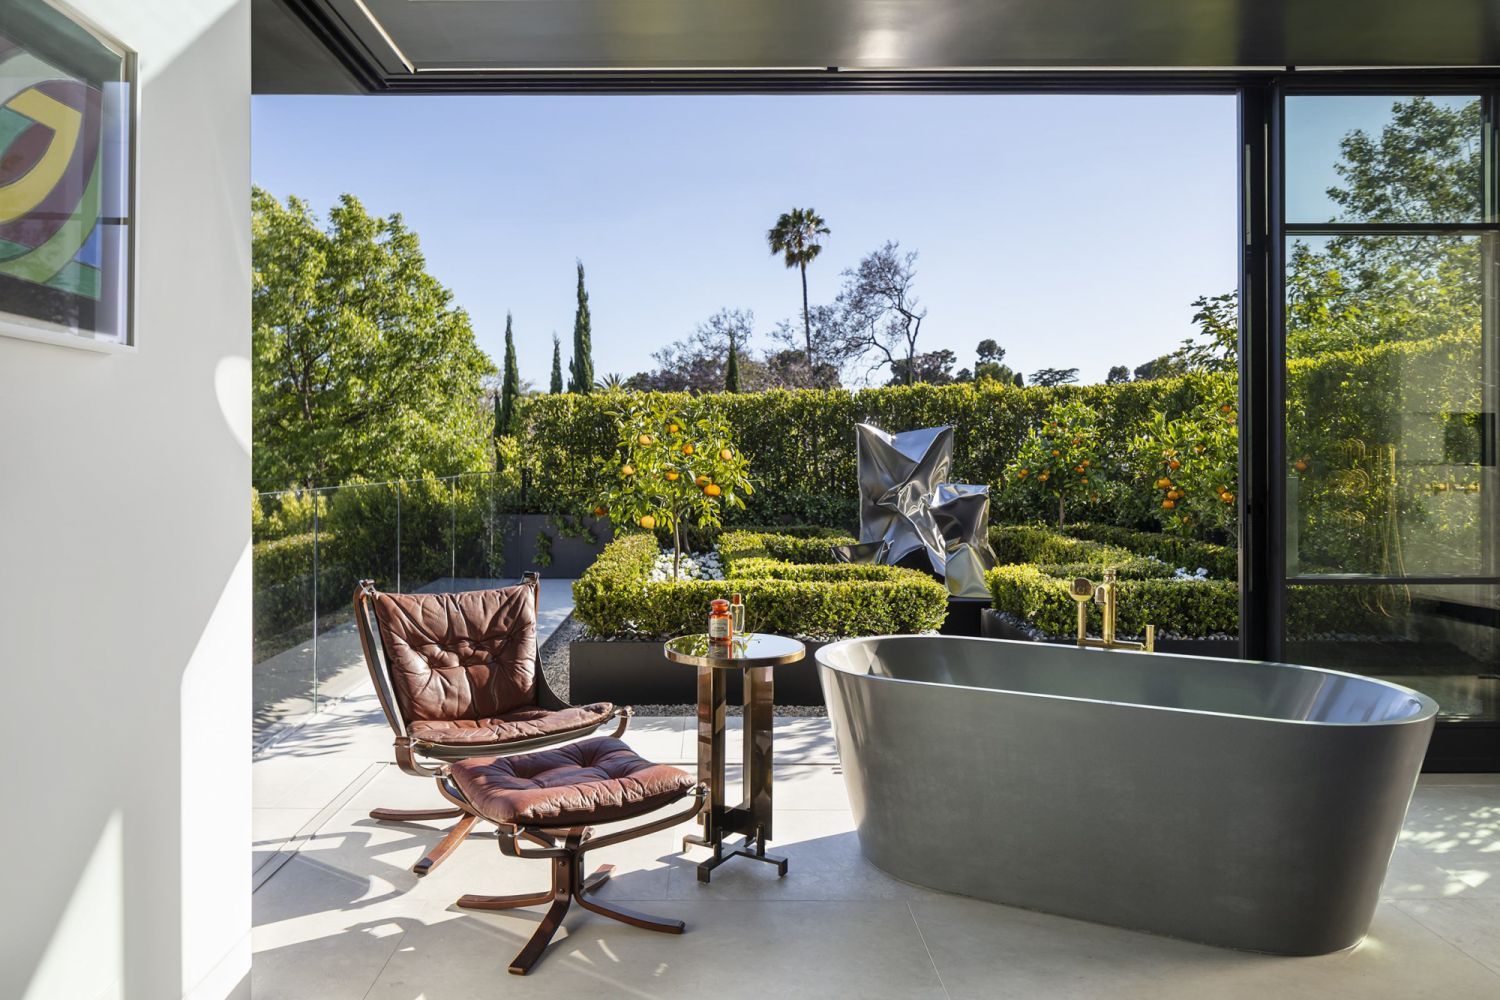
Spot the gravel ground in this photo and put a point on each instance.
(555, 668)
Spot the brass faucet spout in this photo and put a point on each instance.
(1106, 594)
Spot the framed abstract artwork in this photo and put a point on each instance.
(67, 117)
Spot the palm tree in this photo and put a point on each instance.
(795, 237)
(613, 382)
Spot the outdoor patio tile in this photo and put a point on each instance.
(1469, 924)
(319, 933)
(1455, 831)
(658, 737)
(797, 786)
(271, 828)
(823, 863)
(304, 782)
(730, 950)
(983, 950)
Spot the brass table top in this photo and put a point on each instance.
(746, 652)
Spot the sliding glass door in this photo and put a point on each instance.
(1389, 486)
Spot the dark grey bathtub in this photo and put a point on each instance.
(1249, 805)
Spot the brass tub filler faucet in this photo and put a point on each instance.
(1083, 591)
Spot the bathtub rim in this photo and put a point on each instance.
(1429, 707)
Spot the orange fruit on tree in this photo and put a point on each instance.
(1300, 465)
(712, 489)
(644, 440)
(627, 470)
(1056, 452)
(600, 512)
(1226, 408)
(1169, 504)
(672, 477)
(1174, 465)
(1163, 483)
(726, 454)
(1045, 476)
(1227, 497)
(701, 480)
(648, 522)
(673, 428)
(1022, 474)
(687, 449)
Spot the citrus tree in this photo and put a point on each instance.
(1192, 460)
(676, 464)
(1061, 456)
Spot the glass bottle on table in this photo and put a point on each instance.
(737, 613)
(720, 623)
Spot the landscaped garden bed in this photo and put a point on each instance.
(791, 586)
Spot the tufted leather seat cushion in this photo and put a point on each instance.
(460, 656)
(594, 781)
(520, 724)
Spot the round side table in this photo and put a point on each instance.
(756, 654)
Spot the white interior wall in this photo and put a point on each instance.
(124, 570)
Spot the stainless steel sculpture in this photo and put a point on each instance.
(907, 505)
(1242, 804)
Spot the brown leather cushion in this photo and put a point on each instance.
(595, 781)
(460, 656)
(521, 724)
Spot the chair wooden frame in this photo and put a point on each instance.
(565, 848)
(412, 753)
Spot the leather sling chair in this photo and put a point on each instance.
(460, 676)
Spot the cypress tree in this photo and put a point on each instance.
(732, 368)
(510, 388)
(582, 366)
(556, 386)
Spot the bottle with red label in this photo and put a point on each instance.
(720, 623)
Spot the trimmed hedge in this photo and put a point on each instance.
(1221, 561)
(614, 597)
(1031, 544)
(774, 544)
(1178, 607)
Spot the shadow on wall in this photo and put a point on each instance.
(136, 598)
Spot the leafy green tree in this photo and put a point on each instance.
(1192, 460)
(581, 369)
(363, 367)
(732, 367)
(676, 464)
(510, 388)
(556, 385)
(795, 237)
(990, 364)
(1117, 374)
(1054, 376)
(931, 367)
(1061, 457)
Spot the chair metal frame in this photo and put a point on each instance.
(411, 752)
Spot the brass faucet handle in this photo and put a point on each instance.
(1081, 590)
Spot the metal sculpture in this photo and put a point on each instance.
(910, 515)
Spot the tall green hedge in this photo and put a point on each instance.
(802, 447)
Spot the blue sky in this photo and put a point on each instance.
(1074, 230)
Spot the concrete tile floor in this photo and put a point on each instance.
(338, 914)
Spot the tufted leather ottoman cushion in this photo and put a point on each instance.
(594, 781)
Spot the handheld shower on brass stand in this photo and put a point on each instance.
(1083, 591)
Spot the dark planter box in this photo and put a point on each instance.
(570, 555)
(965, 616)
(637, 673)
(1000, 626)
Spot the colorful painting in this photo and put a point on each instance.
(64, 182)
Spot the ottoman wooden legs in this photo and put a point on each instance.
(565, 849)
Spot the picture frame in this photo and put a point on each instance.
(68, 99)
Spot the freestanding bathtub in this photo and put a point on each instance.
(1243, 804)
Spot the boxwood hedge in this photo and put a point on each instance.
(614, 597)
